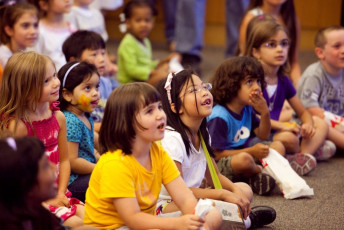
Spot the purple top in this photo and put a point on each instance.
(284, 90)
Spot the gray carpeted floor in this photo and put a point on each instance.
(325, 210)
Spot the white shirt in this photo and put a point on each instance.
(87, 19)
(193, 166)
(5, 54)
(50, 42)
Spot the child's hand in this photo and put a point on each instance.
(239, 199)
(189, 222)
(260, 150)
(59, 201)
(291, 127)
(258, 102)
(307, 131)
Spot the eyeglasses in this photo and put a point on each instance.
(198, 88)
(273, 44)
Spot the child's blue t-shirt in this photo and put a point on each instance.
(229, 130)
(78, 132)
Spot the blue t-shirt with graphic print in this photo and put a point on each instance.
(78, 132)
(229, 130)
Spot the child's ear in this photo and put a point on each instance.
(255, 53)
(8, 31)
(43, 5)
(173, 108)
(67, 95)
(320, 53)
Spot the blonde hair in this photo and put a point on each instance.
(321, 36)
(260, 29)
(21, 85)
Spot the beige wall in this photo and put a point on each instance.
(313, 14)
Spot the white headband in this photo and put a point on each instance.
(66, 74)
(168, 87)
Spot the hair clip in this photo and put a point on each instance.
(12, 143)
(261, 17)
(168, 87)
(66, 74)
(122, 26)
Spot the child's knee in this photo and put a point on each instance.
(246, 189)
(74, 221)
(320, 125)
(278, 146)
(243, 161)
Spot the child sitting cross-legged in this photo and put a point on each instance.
(237, 90)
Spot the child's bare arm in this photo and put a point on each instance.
(132, 216)
(78, 164)
(258, 150)
(316, 111)
(20, 130)
(61, 199)
(259, 104)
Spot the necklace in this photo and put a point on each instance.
(271, 101)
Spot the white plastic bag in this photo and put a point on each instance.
(334, 121)
(290, 183)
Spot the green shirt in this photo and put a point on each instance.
(134, 60)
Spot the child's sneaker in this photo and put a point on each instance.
(326, 151)
(302, 163)
(262, 183)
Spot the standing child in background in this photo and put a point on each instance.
(53, 28)
(85, 17)
(31, 79)
(126, 182)
(322, 83)
(135, 52)
(237, 89)
(79, 96)
(19, 29)
(284, 13)
(187, 102)
(268, 42)
(89, 46)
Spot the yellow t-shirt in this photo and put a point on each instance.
(119, 175)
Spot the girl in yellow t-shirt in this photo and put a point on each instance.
(125, 184)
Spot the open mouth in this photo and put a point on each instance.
(206, 102)
(95, 102)
(161, 126)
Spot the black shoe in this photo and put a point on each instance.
(262, 183)
(262, 215)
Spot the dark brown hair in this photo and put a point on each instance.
(119, 121)
(230, 74)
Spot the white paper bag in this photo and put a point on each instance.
(290, 183)
(334, 121)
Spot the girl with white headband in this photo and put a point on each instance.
(29, 91)
(187, 102)
(79, 96)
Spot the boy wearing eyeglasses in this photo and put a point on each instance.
(321, 87)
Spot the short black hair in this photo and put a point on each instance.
(128, 8)
(79, 41)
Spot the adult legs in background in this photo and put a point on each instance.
(190, 19)
(235, 10)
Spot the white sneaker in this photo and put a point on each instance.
(326, 151)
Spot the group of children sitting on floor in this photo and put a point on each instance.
(119, 157)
